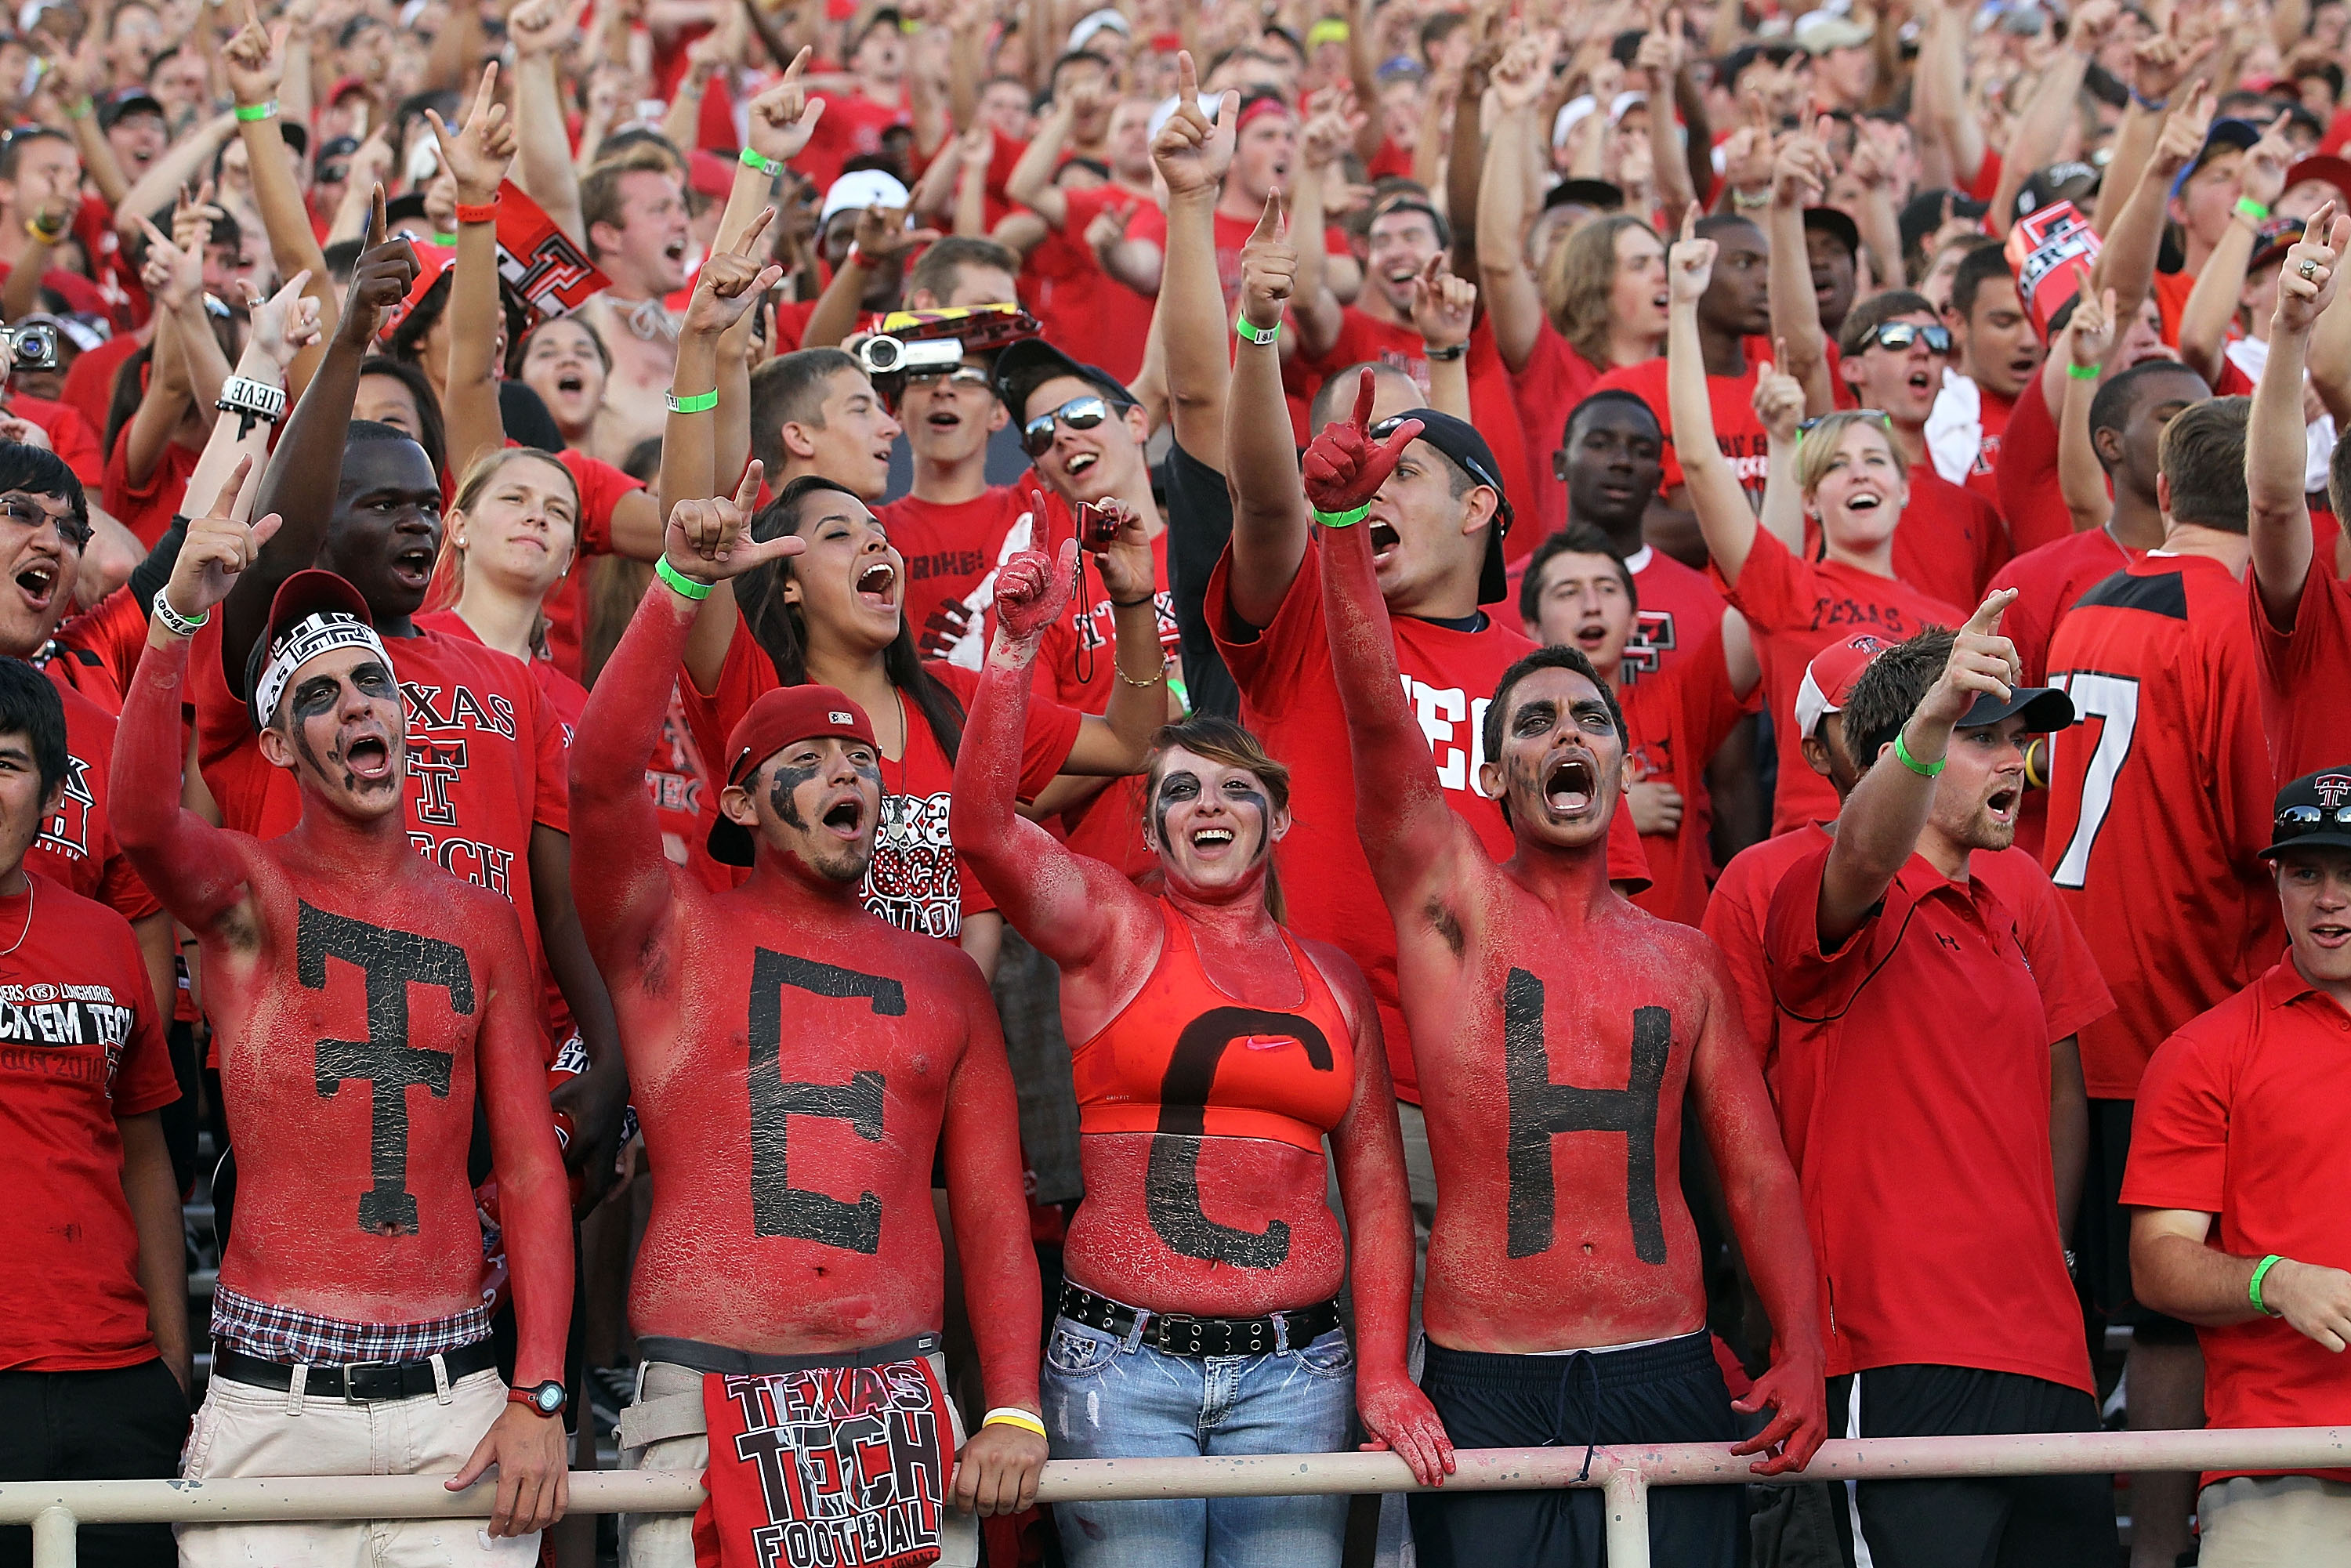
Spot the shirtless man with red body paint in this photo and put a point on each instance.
(360, 996)
(795, 1060)
(1559, 1028)
(1213, 1053)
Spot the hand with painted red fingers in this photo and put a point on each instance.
(707, 539)
(1343, 467)
(534, 1474)
(219, 546)
(1032, 593)
(997, 1471)
(1794, 1390)
(731, 282)
(2307, 282)
(1399, 1419)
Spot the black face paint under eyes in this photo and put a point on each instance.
(1181, 785)
(783, 786)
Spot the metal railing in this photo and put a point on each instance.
(55, 1509)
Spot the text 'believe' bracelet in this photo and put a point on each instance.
(1013, 1415)
(2254, 1286)
(250, 400)
(1343, 519)
(1249, 331)
(753, 159)
(478, 212)
(249, 112)
(696, 402)
(180, 625)
(1923, 769)
(679, 581)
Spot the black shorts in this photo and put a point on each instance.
(1669, 1393)
(2101, 1232)
(2009, 1522)
(127, 1424)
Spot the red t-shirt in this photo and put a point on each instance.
(917, 881)
(1677, 720)
(89, 385)
(147, 509)
(81, 296)
(1994, 411)
(2032, 499)
(1290, 699)
(1086, 312)
(84, 1047)
(1233, 233)
(1912, 1090)
(127, 304)
(852, 125)
(1555, 379)
(1680, 608)
(1947, 544)
(2305, 667)
(98, 650)
(952, 552)
(602, 487)
(70, 437)
(2171, 290)
(1738, 433)
(2159, 802)
(1493, 406)
(1797, 608)
(2244, 1115)
(76, 845)
(1735, 914)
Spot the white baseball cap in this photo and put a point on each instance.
(862, 188)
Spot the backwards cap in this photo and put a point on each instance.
(1829, 678)
(779, 718)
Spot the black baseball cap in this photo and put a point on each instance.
(2070, 181)
(1837, 225)
(2044, 709)
(1923, 215)
(1467, 450)
(1599, 194)
(2313, 812)
(1023, 367)
(128, 100)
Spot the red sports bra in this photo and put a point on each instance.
(1183, 1057)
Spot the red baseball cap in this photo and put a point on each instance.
(779, 718)
(1829, 678)
(2322, 166)
(432, 261)
(710, 174)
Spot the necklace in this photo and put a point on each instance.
(905, 736)
(647, 319)
(31, 888)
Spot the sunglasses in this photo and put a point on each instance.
(1902, 334)
(1807, 427)
(1078, 413)
(2296, 821)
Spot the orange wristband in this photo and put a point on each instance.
(479, 212)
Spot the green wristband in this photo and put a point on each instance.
(2254, 1286)
(697, 403)
(679, 581)
(2083, 372)
(2253, 209)
(1343, 519)
(1248, 329)
(771, 167)
(249, 112)
(1923, 769)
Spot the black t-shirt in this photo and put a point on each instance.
(1199, 526)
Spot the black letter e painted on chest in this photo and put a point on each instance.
(1540, 1110)
(391, 961)
(777, 1208)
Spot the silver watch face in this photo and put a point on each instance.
(549, 1398)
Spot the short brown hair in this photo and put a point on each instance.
(942, 263)
(790, 389)
(2203, 458)
(599, 188)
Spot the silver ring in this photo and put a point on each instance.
(2309, 270)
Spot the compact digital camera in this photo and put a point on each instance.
(32, 347)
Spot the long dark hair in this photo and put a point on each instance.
(780, 627)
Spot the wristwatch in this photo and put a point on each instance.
(547, 1399)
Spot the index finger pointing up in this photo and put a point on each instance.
(749, 490)
(1366, 389)
(1187, 77)
(750, 236)
(378, 223)
(800, 64)
(1689, 221)
(1985, 621)
(1268, 222)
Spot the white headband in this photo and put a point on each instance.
(314, 634)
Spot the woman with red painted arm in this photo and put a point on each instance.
(1213, 1053)
(1566, 1297)
(342, 971)
(785, 1044)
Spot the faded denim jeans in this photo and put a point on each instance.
(1107, 1399)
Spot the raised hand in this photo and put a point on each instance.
(220, 545)
(543, 27)
(381, 279)
(2092, 325)
(882, 233)
(2262, 176)
(2307, 283)
(1983, 662)
(707, 539)
(2159, 64)
(1399, 1419)
(1689, 266)
(1344, 468)
(1778, 399)
(172, 275)
(1330, 130)
(255, 59)
(1442, 304)
(477, 157)
(731, 282)
(1801, 175)
(284, 324)
(2086, 30)
(1518, 77)
(1269, 268)
(784, 117)
(1125, 559)
(1109, 226)
(1191, 153)
(1032, 591)
(2183, 133)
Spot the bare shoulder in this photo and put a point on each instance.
(1682, 957)
(1345, 979)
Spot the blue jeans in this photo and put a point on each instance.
(1104, 1399)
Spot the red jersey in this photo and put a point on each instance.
(1232, 234)
(98, 648)
(1993, 410)
(2031, 499)
(851, 126)
(1797, 608)
(1735, 914)
(1493, 404)
(602, 487)
(1677, 720)
(147, 509)
(89, 385)
(1744, 443)
(82, 1047)
(1680, 608)
(81, 296)
(1290, 699)
(1554, 380)
(952, 552)
(2305, 712)
(77, 847)
(126, 303)
(2159, 802)
(70, 437)
(1095, 318)
(1915, 1061)
(2049, 580)
(2243, 1115)
(917, 881)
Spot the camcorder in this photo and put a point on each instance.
(32, 346)
(934, 342)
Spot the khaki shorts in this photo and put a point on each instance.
(2275, 1522)
(666, 1429)
(245, 1430)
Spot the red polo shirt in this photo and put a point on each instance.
(2244, 1114)
(2305, 704)
(1914, 1095)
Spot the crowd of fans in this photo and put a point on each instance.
(857, 744)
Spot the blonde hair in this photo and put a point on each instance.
(1822, 442)
(479, 477)
(1222, 740)
(1578, 279)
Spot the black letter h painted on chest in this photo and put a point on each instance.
(1540, 1110)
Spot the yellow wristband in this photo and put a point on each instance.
(1013, 1415)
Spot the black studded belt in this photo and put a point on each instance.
(1177, 1334)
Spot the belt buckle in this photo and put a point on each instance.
(383, 1376)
